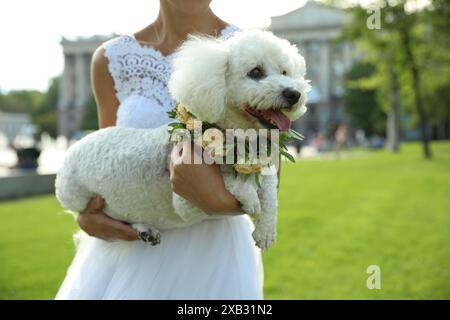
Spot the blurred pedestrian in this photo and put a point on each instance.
(340, 137)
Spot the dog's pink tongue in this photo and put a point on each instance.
(278, 118)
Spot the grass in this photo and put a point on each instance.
(35, 247)
(336, 218)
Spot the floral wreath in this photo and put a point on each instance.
(186, 121)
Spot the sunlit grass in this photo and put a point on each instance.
(36, 247)
(338, 217)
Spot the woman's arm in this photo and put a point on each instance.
(93, 220)
(200, 184)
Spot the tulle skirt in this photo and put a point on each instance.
(215, 259)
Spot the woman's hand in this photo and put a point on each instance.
(96, 223)
(200, 184)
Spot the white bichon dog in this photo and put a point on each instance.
(252, 80)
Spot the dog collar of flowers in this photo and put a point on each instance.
(185, 120)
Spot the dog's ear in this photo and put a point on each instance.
(198, 79)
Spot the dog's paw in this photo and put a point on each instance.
(151, 236)
(251, 206)
(146, 234)
(245, 192)
(264, 237)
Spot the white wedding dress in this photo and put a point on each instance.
(215, 259)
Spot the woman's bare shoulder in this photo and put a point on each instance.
(98, 57)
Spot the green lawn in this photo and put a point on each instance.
(336, 218)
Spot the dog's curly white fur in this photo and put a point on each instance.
(128, 166)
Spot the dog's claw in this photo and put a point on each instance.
(264, 240)
(145, 236)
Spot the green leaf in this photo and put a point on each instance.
(177, 125)
(296, 134)
(287, 155)
(258, 179)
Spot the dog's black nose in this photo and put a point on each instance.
(291, 95)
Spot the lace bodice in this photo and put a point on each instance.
(140, 77)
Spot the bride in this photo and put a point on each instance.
(215, 259)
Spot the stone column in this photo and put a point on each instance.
(325, 69)
(64, 97)
(81, 78)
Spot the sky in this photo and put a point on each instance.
(30, 30)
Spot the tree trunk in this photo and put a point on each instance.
(393, 120)
(410, 61)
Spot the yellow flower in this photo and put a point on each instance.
(183, 115)
(243, 168)
(256, 167)
(247, 168)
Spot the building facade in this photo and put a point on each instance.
(315, 29)
(75, 88)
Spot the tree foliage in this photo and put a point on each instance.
(90, 117)
(41, 106)
(46, 118)
(412, 47)
(360, 100)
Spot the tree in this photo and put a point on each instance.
(90, 118)
(393, 120)
(41, 106)
(399, 48)
(361, 103)
(436, 65)
(46, 117)
(380, 51)
(404, 24)
(21, 101)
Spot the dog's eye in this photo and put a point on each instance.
(256, 73)
(284, 72)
